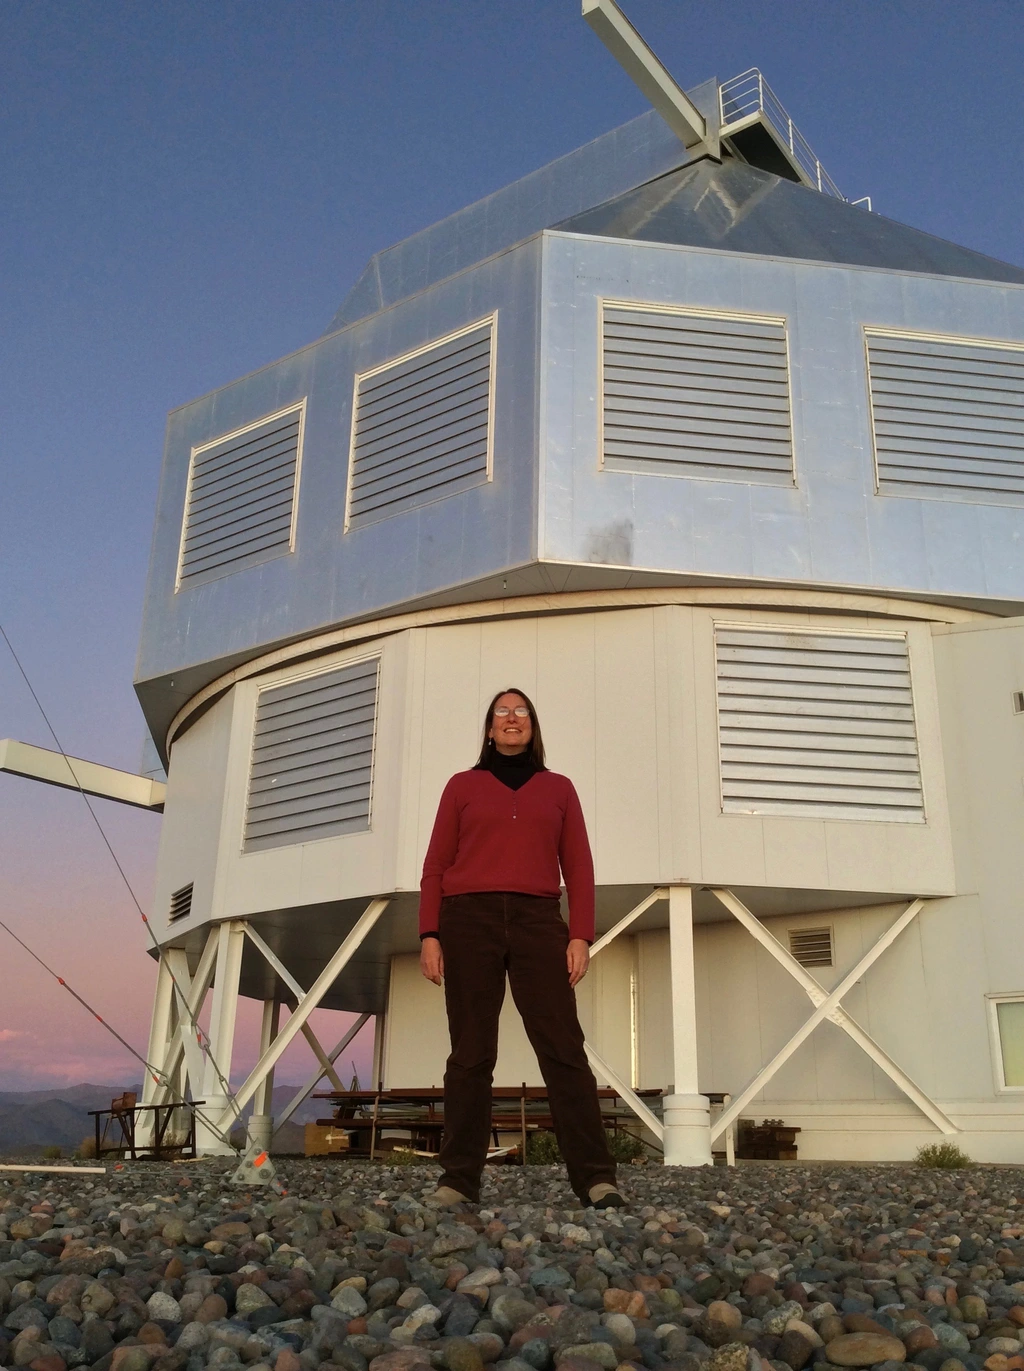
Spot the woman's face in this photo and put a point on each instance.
(510, 733)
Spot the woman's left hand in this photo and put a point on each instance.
(577, 959)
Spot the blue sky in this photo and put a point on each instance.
(190, 189)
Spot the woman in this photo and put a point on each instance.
(489, 904)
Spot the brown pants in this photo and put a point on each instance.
(483, 937)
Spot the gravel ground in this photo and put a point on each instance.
(171, 1268)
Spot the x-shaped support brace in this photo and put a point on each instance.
(827, 1006)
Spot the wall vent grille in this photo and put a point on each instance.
(817, 724)
(181, 903)
(312, 758)
(696, 395)
(811, 946)
(421, 426)
(240, 507)
(948, 418)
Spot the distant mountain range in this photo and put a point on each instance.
(31, 1120)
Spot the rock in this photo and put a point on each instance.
(511, 1312)
(480, 1277)
(131, 1359)
(731, 1357)
(950, 1339)
(795, 1349)
(67, 1290)
(381, 1293)
(805, 1330)
(919, 1339)
(96, 1299)
(233, 1231)
(249, 1297)
(193, 1337)
(974, 1309)
(759, 1283)
(776, 1319)
(161, 1306)
(600, 1352)
(721, 1311)
(213, 1307)
(489, 1345)
(451, 1238)
(459, 1354)
(348, 1302)
(620, 1326)
(629, 1302)
(864, 1349)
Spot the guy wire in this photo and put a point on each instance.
(202, 1037)
(159, 1077)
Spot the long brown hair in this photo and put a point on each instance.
(536, 747)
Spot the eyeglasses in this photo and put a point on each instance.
(503, 711)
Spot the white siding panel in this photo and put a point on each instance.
(817, 724)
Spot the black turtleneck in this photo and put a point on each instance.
(513, 770)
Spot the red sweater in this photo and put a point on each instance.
(489, 837)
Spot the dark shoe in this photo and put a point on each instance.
(605, 1196)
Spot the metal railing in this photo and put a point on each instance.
(749, 95)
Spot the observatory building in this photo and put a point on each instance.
(728, 474)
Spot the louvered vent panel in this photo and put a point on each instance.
(817, 724)
(948, 418)
(312, 758)
(693, 395)
(181, 903)
(811, 946)
(241, 499)
(422, 427)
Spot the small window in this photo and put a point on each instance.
(181, 903)
(811, 946)
(1008, 1023)
(1018, 702)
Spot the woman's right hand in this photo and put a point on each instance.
(432, 960)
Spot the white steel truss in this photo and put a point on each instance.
(827, 1006)
(175, 1048)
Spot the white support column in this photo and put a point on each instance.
(230, 942)
(261, 1121)
(687, 1113)
(161, 1035)
(263, 1099)
(377, 1059)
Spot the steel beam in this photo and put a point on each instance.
(71, 773)
(839, 1016)
(317, 991)
(627, 919)
(304, 1091)
(625, 1092)
(640, 64)
(822, 1012)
